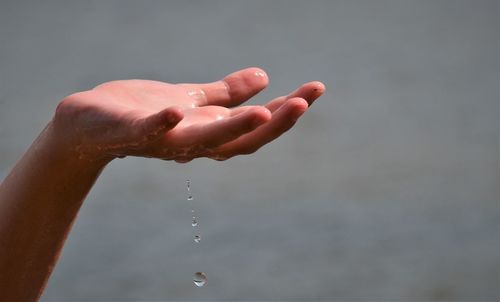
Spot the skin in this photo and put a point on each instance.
(40, 198)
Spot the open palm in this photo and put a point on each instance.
(180, 121)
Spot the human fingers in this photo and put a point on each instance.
(308, 91)
(282, 120)
(241, 109)
(232, 90)
(196, 139)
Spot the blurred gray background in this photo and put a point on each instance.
(387, 189)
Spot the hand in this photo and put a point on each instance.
(179, 121)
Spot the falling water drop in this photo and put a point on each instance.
(200, 279)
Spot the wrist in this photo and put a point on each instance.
(66, 145)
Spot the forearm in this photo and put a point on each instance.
(39, 201)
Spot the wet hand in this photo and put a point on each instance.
(179, 121)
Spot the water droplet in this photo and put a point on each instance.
(200, 279)
(194, 222)
(190, 197)
(188, 185)
(197, 238)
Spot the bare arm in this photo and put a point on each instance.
(40, 198)
(39, 201)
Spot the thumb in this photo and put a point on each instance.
(158, 123)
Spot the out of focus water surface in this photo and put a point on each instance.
(387, 189)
